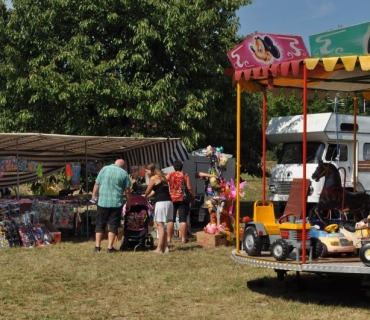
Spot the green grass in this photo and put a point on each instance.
(253, 191)
(69, 281)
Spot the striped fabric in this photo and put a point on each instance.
(54, 151)
(163, 153)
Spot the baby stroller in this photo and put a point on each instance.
(136, 225)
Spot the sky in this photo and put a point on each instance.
(301, 17)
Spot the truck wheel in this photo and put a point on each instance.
(317, 248)
(280, 249)
(365, 254)
(252, 242)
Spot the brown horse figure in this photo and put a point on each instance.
(331, 196)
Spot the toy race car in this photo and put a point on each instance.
(328, 241)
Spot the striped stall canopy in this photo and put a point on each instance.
(163, 153)
(54, 151)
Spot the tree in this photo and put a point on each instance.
(121, 67)
(3, 43)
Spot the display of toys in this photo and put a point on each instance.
(27, 236)
(11, 230)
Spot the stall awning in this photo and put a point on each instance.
(54, 151)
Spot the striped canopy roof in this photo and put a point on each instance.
(53, 151)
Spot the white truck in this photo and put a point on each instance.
(330, 137)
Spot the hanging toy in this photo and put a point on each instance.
(39, 170)
(209, 192)
(242, 186)
(213, 182)
(222, 163)
(76, 174)
(210, 152)
(69, 172)
(211, 155)
(219, 150)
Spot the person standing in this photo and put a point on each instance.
(111, 182)
(163, 208)
(176, 180)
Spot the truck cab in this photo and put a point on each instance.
(330, 137)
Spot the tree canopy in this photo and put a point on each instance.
(118, 67)
(127, 68)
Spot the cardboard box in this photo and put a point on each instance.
(57, 236)
(211, 240)
(53, 230)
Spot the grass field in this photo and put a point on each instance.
(69, 281)
(253, 191)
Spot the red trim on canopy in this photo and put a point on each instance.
(295, 67)
(237, 75)
(274, 69)
(256, 72)
(247, 74)
(265, 72)
(285, 68)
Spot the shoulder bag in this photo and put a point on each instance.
(186, 195)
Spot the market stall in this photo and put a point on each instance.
(27, 157)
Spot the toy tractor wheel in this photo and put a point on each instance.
(280, 249)
(324, 250)
(365, 254)
(317, 248)
(252, 242)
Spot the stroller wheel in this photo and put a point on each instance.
(137, 247)
(151, 242)
(123, 246)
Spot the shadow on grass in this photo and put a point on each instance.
(328, 290)
(70, 236)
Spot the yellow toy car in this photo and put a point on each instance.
(329, 242)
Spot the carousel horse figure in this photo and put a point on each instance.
(331, 196)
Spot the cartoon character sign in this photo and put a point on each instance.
(265, 49)
(261, 49)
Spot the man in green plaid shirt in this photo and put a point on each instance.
(111, 183)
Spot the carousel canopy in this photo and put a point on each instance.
(324, 75)
(339, 62)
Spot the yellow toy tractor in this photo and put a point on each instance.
(279, 236)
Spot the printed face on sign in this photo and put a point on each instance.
(260, 50)
(264, 49)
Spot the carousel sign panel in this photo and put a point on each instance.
(263, 49)
(348, 41)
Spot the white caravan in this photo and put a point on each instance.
(330, 137)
